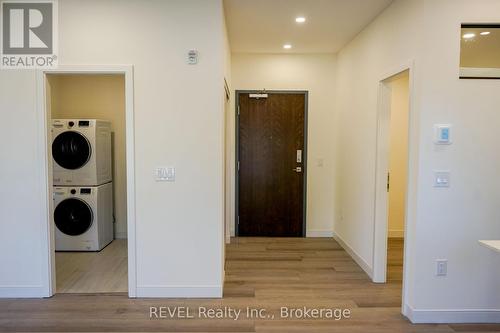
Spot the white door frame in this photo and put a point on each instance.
(382, 167)
(44, 142)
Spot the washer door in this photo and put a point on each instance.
(73, 216)
(71, 150)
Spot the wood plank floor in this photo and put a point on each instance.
(93, 272)
(395, 254)
(260, 272)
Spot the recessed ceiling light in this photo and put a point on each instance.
(300, 19)
(469, 35)
(287, 46)
(485, 33)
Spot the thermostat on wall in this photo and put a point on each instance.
(442, 134)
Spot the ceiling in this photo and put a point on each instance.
(264, 26)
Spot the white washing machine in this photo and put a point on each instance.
(83, 217)
(81, 152)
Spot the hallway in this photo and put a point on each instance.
(314, 272)
(260, 273)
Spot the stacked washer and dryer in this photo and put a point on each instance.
(83, 190)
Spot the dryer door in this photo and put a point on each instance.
(73, 216)
(71, 150)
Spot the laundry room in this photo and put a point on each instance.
(88, 155)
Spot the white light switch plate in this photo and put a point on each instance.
(441, 179)
(164, 174)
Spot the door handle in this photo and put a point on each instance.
(297, 169)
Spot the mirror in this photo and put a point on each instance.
(480, 51)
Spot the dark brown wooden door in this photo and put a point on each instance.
(271, 188)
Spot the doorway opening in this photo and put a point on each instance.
(397, 174)
(392, 179)
(271, 163)
(87, 157)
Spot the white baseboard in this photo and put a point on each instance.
(363, 264)
(319, 233)
(394, 233)
(121, 235)
(23, 292)
(452, 316)
(209, 291)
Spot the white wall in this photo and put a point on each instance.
(469, 210)
(316, 74)
(21, 207)
(178, 122)
(441, 223)
(398, 153)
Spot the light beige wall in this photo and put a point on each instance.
(398, 160)
(360, 66)
(178, 121)
(22, 212)
(442, 223)
(316, 74)
(100, 97)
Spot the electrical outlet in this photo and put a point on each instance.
(441, 267)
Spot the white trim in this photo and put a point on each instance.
(407, 65)
(487, 73)
(131, 198)
(319, 233)
(45, 190)
(23, 291)
(449, 316)
(394, 233)
(49, 281)
(381, 201)
(380, 208)
(180, 291)
(357, 258)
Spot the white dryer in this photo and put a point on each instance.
(83, 217)
(81, 152)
